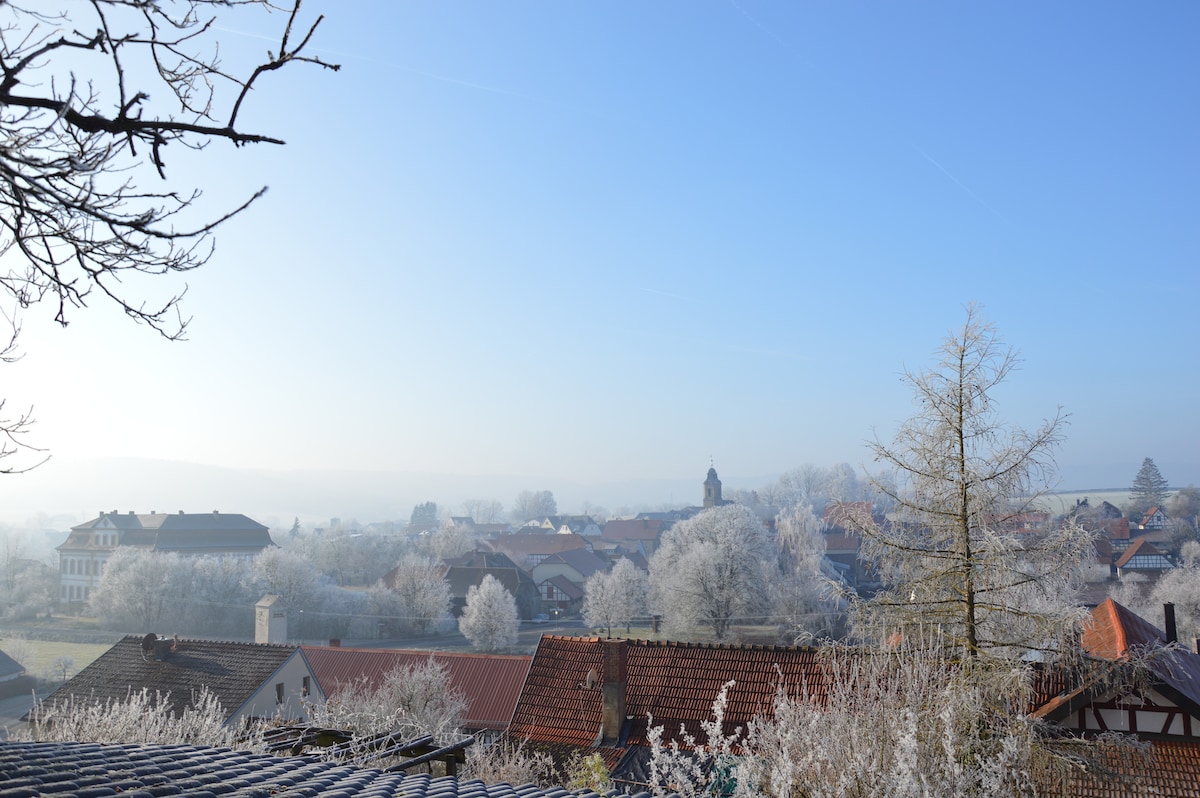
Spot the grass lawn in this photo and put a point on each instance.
(38, 655)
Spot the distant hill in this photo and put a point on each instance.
(70, 492)
(64, 492)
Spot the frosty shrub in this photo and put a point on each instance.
(588, 773)
(411, 701)
(511, 762)
(142, 718)
(690, 767)
(892, 725)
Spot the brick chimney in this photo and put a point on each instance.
(612, 692)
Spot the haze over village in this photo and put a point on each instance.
(578, 400)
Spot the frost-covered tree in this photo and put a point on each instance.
(711, 570)
(1149, 489)
(140, 589)
(286, 574)
(422, 596)
(919, 725)
(490, 619)
(1179, 586)
(616, 596)
(948, 553)
(803, 593)
(410, 700)
(450, 540)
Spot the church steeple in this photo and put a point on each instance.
(712, 489)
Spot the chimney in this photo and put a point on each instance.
(1169, 620)
(335, 642)
(612, 692)
(1196, 644)
(131, 512)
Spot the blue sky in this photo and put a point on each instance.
(599, 241)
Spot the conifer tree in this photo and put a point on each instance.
(1149, 489)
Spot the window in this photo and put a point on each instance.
(304, 685)
(279, 693)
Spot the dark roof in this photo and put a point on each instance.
(634, 529)
(478, 559)
(524, 544)
(233, 672)
(461, 579)
(72, 769)
(581, 560)
(181, 532)
(9, 666)
(569, 589)
(490, 683)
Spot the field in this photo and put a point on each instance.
(38, 656)
(1059, 503)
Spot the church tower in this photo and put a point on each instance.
(712, 489)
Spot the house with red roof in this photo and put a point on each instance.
(594, 695)
(490, 683)
(1144, 558)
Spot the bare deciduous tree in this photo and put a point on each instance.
(616, 596)
(91, 96)
(533, 504)
(950, 555)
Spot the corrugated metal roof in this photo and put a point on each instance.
(491, 683)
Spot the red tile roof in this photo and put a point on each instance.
(491, 683)
(1147, 553)
(1167, 769)
(674, 682)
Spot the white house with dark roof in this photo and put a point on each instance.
(250, 680)
(81, 558)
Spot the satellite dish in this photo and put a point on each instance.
(149, 643)
(592, 678)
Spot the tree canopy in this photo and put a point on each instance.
(91, 97)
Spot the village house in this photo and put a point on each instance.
(250, 680)
(89, 546)
(577, 565)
